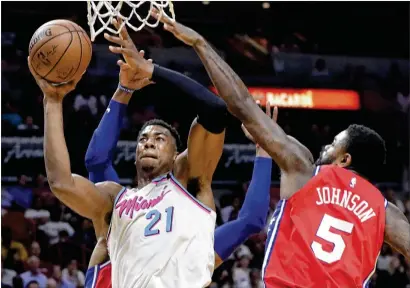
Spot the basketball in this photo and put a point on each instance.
(60, 50)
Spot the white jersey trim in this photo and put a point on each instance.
(196, 201)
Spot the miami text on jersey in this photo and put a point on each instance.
(140, 203)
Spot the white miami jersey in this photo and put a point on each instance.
(161, 236)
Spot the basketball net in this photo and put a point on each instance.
(106, 11)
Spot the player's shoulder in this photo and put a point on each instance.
(109, 188)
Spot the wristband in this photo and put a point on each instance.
(125, 89)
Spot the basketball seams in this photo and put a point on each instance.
(76, 29)
(69, 31)
(61, 57)
(81, 52)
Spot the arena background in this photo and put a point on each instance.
(349, 62)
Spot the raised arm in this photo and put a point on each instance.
(78, 193)
(268, 134)
(397, 231)
(98, 158)
(205, 142)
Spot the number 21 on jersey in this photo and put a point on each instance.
(331, 237)
(156, 215)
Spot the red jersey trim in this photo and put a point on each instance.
(276, 218)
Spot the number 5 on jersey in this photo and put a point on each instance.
(336, 239)
(155, 215)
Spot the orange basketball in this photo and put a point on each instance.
(60, 50)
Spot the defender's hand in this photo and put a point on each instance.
(55, 92)
(181, 32)
(274, 117)
(130, 77)
(134, 58)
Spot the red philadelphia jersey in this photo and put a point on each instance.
(328, 234)
(99, 276)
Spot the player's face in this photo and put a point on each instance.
(156, 149)
(335, 153)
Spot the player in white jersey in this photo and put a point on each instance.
(161, 236)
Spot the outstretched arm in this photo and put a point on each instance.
(98, 158)
(397, 231)
(268, 134)
(75, 191)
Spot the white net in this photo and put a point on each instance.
(103, 12)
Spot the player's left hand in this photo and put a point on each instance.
(52, 91)
(181, 32)
(274, 117)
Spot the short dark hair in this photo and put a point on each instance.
(166, 125)
(368, 150)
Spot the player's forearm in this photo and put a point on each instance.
(57, 160)
(266, 132)
(212, 110)
(98, 158)
(122, 96)
(230, 87)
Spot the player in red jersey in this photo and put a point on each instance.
(99, 269)
(313, 243)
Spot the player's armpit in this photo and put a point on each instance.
(85, 198)
(397, 231)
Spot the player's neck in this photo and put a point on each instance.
(144, 177)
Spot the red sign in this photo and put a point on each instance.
(324, 99)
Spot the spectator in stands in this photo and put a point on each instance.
(7, 276)
(33, 274)
(61, 282)
(88, 103)
(18, 282)
(28, 125)
(22, 194)
(35, 250)
(229, 212)
(73, 275)
(256, 280)
(13, 253)
(86, 234)
(51, 283)
(53, 227)
(42, 189)
(65, 250)
(37, 211)
(241, 271)
(10, 115)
